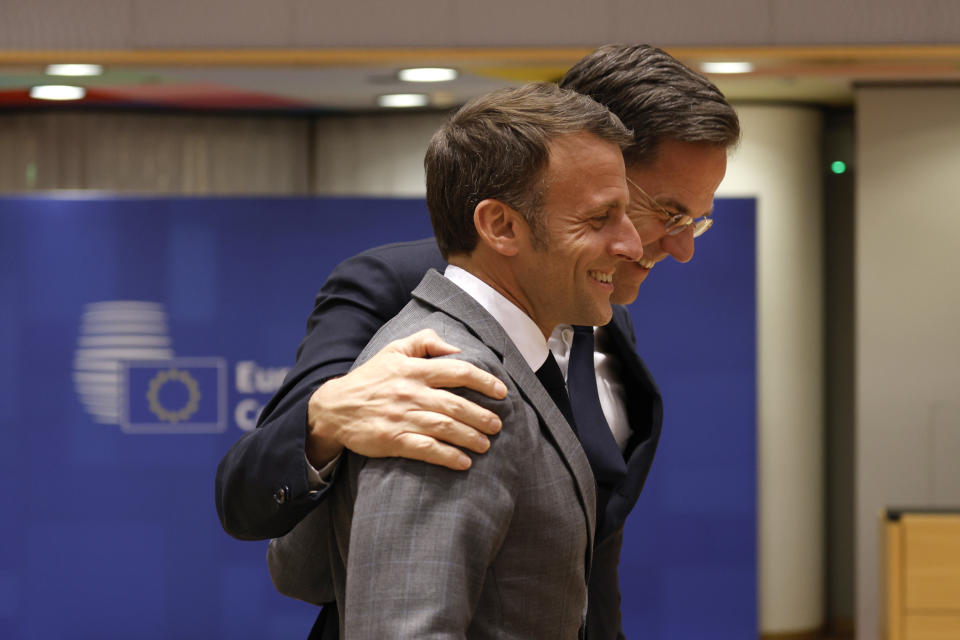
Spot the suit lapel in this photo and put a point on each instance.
(627, 357)
(439, 292)
(644, 404)
(645, 413)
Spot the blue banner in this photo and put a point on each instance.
(140, 338)
(689, 563)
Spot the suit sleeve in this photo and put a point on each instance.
(423, 537)
(262, 488)
(299, 562)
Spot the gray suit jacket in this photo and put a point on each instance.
(502, 550)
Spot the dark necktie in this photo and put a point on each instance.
(592, 428)
(552, 380)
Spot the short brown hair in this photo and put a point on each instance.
(657, 96)
(497, 146)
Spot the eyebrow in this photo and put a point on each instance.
(670, 203)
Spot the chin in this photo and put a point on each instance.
(603, 317)
(626, 284)
(625, 292)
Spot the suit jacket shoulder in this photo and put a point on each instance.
(496, 550)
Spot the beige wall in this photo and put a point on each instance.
(778, 163)
(215, 154)
(129, 152)
(373, 155)
(907, 314)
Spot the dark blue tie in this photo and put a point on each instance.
(592, 428)
(552, 380)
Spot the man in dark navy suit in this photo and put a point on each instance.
(395, 404)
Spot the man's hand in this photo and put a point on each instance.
(395, 404)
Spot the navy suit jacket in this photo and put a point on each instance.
(262, 488)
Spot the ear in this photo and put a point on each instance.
(500, 226)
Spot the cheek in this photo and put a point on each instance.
(653, 250)
(650, 232)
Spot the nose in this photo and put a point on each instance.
(679, 246)
(626, 241)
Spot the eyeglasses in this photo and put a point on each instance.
(675, 223)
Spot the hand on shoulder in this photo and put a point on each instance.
(396, 404)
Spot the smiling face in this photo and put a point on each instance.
(682, 179)
(568, 277)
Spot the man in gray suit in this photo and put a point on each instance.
(527, 196)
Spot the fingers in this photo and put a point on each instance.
(443, 373)
(450, 373)
(422, 344)
(451, 407)
(451, 431)
(435, 431)
(416, 446)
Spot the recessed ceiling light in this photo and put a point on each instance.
(403, 100)
(74, 70)
(57, 92)
(727, 67)
(428, 74)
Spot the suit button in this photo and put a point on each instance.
(282, 494)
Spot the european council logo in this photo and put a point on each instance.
(126, 373)
(179, 395)
(112, 331)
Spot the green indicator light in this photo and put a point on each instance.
(838, 167)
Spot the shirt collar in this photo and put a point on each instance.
(521, 329)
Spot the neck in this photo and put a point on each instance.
(495, 271)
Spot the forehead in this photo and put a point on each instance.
(576, 147)
(584, 164)
(683, 174)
